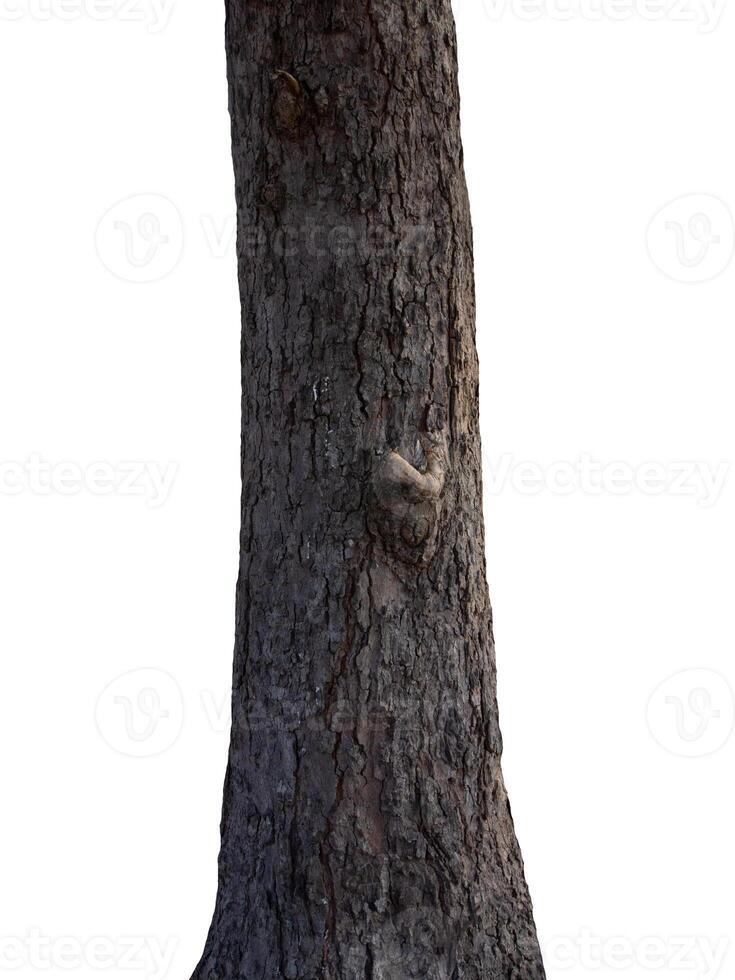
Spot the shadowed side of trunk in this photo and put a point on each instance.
(366, 831)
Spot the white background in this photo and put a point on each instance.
(606, 340)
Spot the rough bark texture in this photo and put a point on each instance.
(366, 830)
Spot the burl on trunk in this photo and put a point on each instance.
(366, 830)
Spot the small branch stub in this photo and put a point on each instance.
(406, 502)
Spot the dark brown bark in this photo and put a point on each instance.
(366, 830)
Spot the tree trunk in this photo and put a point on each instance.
(366, 830)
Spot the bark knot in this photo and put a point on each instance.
(288, 103)
(406, 502)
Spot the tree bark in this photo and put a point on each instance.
(366, 830)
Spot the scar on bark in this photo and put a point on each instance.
(288, 104)
(406, 502)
